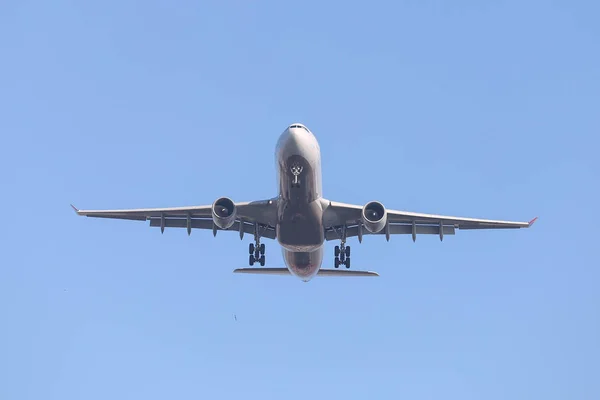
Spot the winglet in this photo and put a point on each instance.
(532, 222)
(75, 208)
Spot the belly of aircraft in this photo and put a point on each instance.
(304, 265)
(300, 228)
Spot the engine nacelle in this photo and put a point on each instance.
(374, 216)
(224, 212)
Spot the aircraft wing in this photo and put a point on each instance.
(261, 215)
(338, 215)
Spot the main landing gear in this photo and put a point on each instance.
(342, 255)
(341, 252)
(257, 251)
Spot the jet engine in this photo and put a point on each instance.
(223, 212)
(374, 216)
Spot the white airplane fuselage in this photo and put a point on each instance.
(300, 213)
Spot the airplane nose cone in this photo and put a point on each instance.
(299, 141)
(293, 142)
(296, 133)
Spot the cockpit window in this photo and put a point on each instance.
(299, 126)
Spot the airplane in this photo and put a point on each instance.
(300, 218)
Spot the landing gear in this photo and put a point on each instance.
(296, 170)
(260, 260)
(257, 251)
(342, 255)
(260, 248)
(341, 252)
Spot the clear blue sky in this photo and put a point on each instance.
(454, 107)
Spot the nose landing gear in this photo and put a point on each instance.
(296, 170)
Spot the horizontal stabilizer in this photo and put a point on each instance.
(322, 272)
(262, 271)
(345, 272)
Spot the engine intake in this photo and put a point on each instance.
(374, 216)
(224, 212)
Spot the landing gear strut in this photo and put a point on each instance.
(342, 255)
(257, 250)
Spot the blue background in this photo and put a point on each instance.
(461, 108)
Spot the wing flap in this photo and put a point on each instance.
(265, 231)
(395, 229)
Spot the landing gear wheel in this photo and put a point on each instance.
(342, 255)
(257, 250)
